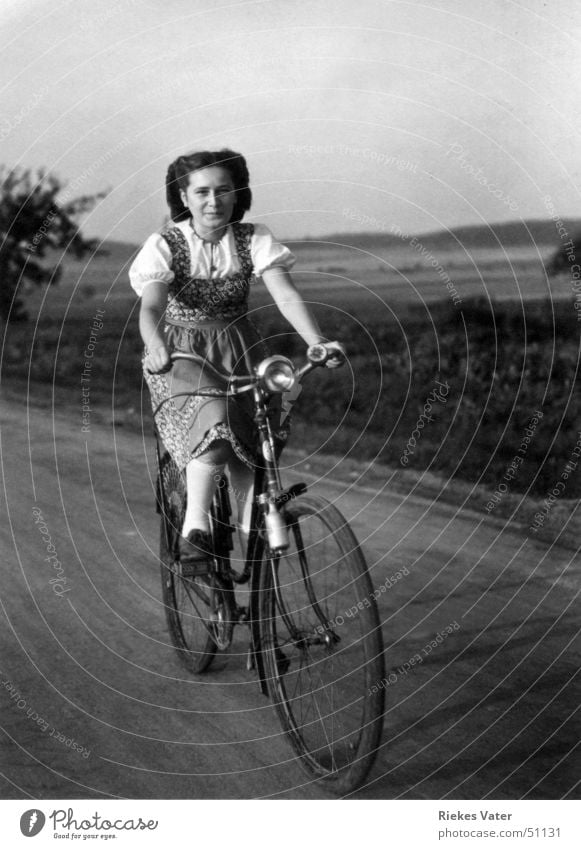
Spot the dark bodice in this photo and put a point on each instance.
(199, 299)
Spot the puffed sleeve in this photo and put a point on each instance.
(267, 252)
(153, 262)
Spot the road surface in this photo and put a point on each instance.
(95, 704)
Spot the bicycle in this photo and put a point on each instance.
(315, 633)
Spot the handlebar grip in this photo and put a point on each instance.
(317, 354)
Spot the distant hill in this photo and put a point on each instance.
(508, 234)
(110, 251)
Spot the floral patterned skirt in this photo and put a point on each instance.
(189, 424)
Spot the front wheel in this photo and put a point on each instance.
(321, 641)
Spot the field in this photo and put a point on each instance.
(366, 270)
(454, 350)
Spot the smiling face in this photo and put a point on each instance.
(210, 197)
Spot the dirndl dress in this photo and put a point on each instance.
(207, 318)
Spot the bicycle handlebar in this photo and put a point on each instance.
(317, 355)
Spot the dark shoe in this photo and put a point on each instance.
(195, 553)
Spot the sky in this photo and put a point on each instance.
(353, 114)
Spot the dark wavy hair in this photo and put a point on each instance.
(178, 177)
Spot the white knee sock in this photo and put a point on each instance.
(202, 479)
(242, 483)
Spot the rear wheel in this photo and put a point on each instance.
(321, 640)
(190, 603)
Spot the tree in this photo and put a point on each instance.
(566, 254)
(33, 221)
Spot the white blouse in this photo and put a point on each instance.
(209, 261)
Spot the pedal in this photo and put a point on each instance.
(191, 571)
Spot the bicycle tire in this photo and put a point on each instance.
(322, 646)
(189, 602)
(223, 534)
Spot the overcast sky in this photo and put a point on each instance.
(353, 114)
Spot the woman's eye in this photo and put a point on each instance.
(220, 192)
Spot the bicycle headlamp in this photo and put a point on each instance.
(277, 374)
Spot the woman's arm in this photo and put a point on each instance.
(289, 301)
(151, 316)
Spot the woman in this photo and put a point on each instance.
(194, 279)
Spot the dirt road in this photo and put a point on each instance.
(95, 704)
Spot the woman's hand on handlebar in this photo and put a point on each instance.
(158, 360)
(337, 354)
(329, 354)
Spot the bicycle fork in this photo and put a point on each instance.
(272, 496)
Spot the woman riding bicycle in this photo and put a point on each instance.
(193, 278)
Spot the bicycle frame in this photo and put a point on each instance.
(269, 494)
